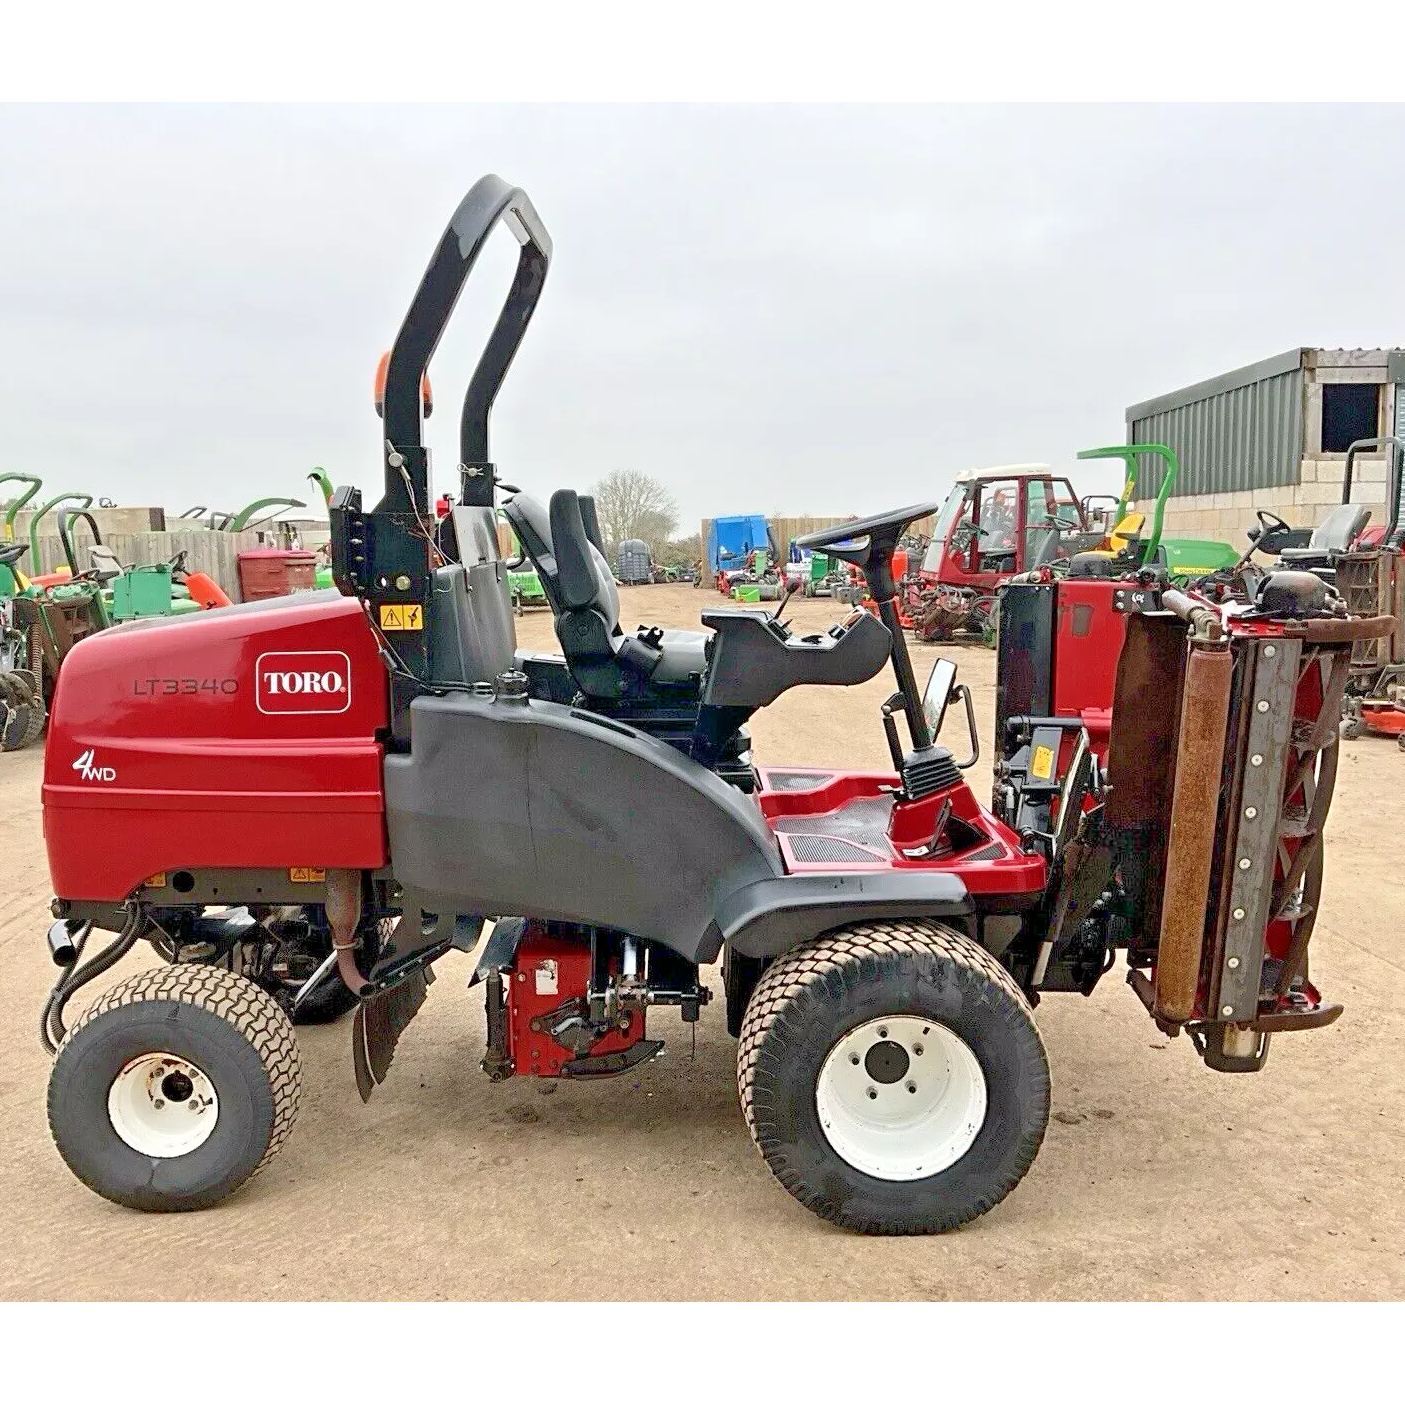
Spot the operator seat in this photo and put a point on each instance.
(607, 664)
(1332, 536)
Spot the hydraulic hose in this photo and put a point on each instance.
(52, 1031)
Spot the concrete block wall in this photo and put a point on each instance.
(1227, 516)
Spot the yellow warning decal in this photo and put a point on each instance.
(157, 880)
(402, 617)
(307, 875)
(1042, 766)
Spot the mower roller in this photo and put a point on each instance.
(382, 778)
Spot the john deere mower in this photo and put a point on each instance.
(380, 774)
(21, 695)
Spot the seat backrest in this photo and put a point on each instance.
(103, 563)
(1340, 527)
(533, 524)
(1125, 532)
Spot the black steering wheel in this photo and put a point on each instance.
(869, 543)
(1269, 522)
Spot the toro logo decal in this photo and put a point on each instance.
(298, 683)
(89, 770)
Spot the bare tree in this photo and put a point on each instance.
(631, 504)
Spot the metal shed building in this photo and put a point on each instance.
(1274, 435)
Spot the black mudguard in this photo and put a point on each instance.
(775, 914)
(532, 809)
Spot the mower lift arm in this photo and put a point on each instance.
(10, 512)
(244, 516)
(320, 477)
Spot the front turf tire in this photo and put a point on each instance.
(221, 1033)
(814, 998)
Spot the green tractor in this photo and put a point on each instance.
(1183, 557)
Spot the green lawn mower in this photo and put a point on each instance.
(21, 694)
(1184, 558)
(825, 573)
(523, 584)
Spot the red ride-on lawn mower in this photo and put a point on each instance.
(379, 768)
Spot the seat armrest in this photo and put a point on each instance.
(753, 660)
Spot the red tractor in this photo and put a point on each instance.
(995, 523)
(383, 778)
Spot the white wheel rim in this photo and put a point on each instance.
(163, 1105)
(901, 1098)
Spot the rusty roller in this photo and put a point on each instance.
(1190, 849)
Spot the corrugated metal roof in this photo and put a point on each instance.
(1220, 385)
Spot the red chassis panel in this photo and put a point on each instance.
(237, 738)
(846, 821)
(547, 976)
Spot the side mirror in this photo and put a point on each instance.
(937, 694)
(941, 690)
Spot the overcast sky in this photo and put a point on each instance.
(774, 309)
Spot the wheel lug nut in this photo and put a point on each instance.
(917, 1049)
(160, 1102)
(873, 1092)
(912, 1087)
(853, 1058)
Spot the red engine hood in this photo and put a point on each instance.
(243, 737)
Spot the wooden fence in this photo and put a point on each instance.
(214, 553)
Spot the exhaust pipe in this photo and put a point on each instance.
(63, 943)
(344, 917)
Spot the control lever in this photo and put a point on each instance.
(791, 585)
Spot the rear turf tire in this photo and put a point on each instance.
(221, 1033)
(812, 1000)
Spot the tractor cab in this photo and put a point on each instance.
(998, 522)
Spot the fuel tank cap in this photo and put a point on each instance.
(511, 686)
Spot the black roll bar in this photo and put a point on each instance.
(1397, 458)
(67, 516)
(489, 202)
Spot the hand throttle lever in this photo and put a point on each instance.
(788, 588)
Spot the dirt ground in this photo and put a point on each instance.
(1158, 1179)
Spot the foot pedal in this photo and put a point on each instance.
(611, 1065)
(380, 1021)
